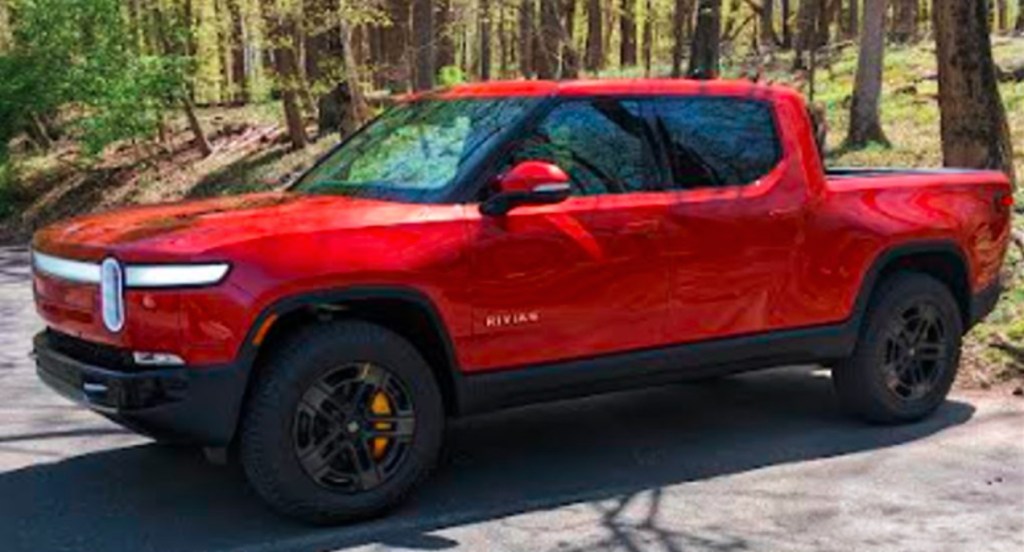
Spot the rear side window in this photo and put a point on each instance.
(713, 142)
(601, 144)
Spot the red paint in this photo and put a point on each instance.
(588, 276)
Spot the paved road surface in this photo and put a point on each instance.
(761, 462)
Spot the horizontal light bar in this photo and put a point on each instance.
(135, 276)
(158, 276)
(75, 271)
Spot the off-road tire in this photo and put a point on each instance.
(865, 390)
(267, 454)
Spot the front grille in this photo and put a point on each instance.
(93, 354)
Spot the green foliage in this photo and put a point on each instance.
(450, 75)
(83, 53)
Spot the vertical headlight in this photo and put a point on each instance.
(112, 294)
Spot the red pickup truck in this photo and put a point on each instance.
(500, 244)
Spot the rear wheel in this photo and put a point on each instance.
(908, 354)
(344, 422)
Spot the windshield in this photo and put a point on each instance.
(414, 152)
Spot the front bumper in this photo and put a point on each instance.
(197, 405)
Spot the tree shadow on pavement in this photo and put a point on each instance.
(608, 449)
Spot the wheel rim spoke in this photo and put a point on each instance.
(915, 351)
(340, 441)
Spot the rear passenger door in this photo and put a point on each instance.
(733, 228)
(586, 277)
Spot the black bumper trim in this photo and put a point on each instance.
(984, 302)
(198, 405)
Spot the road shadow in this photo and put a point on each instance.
(609, 448)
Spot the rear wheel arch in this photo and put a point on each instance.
(943, 260)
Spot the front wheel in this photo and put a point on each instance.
(908, 353)
(345, 420)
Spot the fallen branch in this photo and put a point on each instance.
(1002, 343)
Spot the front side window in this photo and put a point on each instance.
(416, 151)
(601, 144)
(713, 142)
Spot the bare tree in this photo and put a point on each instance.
(527, 13)
(807, 36)
(550, 39)
(570, 57)
(904, 20)
(853, 19)
(1002, 15)
(975, 132)
(445, 51)
(681, 18)
(484, 25)
(768, 37)
(423, 43)
(595, 41)
(865, 126)
(627, 34)
(648, 37)
(787, 29)
(5, 27)
(704, 49)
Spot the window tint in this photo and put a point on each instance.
(717, 141)
(601, 144)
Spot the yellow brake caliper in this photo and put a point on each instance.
(380, 406)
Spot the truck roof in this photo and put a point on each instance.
(603, 87)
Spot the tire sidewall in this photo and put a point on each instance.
(267, 444)
(907, 290)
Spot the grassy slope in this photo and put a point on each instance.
(252, 156)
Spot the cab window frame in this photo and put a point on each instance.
(670, 185)
(495, 164)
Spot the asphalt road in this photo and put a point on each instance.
(760, 462)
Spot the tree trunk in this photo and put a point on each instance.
(38, 133)
(627, 34)
(648, 37)
(865, 126)
(807, 36)
(396, 45)
(595, 40)
(1019, 27)
(853, 19)
(904, 21)
(1002, 16)
(484, 26)
(975, 132)
(704, 49)
(681, 17)
(445, 54)
(199, 138)
(550, 39)
(570, 57)
(423, 42)
(6, 38)
(768, 37)
(787, 28)
(281, 28)
(527, 12)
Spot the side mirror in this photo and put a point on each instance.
(528, 183)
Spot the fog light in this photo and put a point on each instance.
(157, 359)
(112, 294)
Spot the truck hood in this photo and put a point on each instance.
(195, 229)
